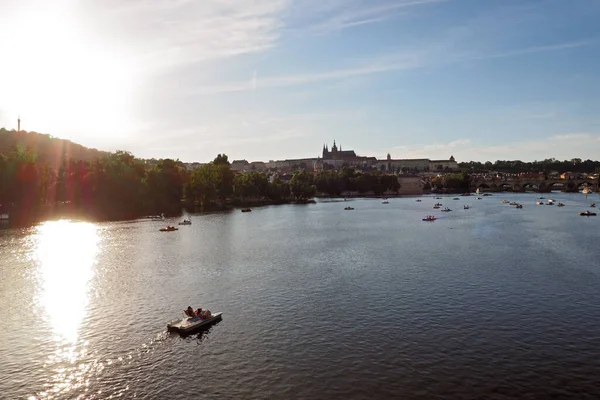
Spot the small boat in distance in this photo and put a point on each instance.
(586, 190)
(348, 208)
(186, 222)
(418, 200)
(539, 203)
(168, 229)
(190, 324)
(157, 217)
(519, 206)
(560, 205)
(456, 198)
(385, 202)
(465, 207)
(246, 209)
(587, 214)
(446, 210)
(504, 201)
(429, 218)
(593, 205)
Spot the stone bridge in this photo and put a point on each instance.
(535, 185)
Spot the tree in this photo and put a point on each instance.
(302, 186)
(221, 159)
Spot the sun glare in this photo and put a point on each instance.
(65, 252)
(59, 77)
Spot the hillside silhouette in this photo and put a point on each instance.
(45, 148)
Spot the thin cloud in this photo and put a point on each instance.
(536, 49)
(167, 33)
(563, 146)
(426, 56)
(396, 63)
(344, 17)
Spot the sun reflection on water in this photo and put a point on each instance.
(66, 254)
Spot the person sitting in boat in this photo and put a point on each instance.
(198, 312)
(207, 314)
(189, 312)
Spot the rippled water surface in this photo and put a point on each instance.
(318, 302)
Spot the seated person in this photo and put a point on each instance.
(189, 312)
(198, 312)
(207, 314)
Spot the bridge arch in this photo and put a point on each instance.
(580, 185)
(530, 186)
(558, 185)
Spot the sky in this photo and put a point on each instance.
(273, 79)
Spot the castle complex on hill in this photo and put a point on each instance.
(336, 158)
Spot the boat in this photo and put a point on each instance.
(513, 203)
(519, 206)
(168, 229)
(446, 210)
(429, 218)
(348, 208)
(246, 209)
(587, 214)
(418, 200)
(436, 206)
(541, 198)
(438, 198)
(190, 324)
(539, 203)
(586, 190)
(504, 201)
(593, 205)
(466, 207)
(479, 198)
(186, 222)
(385, 202)
(456, 198)
(560, 205)
(550, 202)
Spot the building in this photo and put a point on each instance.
(443, 165)
(335, 154)
(239, 165)
(403, 165)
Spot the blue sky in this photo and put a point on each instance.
(272, 79)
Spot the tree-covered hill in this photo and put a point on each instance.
(45, 148)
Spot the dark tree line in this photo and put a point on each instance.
(348, 179)
(120, 186)
(574, 165)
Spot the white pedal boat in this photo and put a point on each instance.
(187, 325)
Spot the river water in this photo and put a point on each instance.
(318, 303)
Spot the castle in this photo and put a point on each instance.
(336, 158)
(335, 154)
